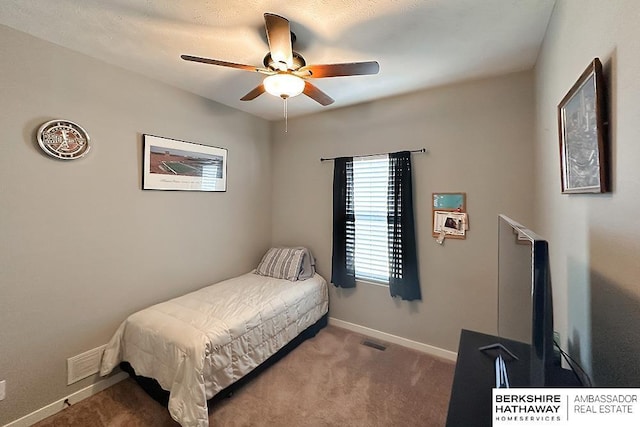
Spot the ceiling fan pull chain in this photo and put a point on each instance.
(286, 124)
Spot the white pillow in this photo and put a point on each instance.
(281, 263)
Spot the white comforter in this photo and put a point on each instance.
(202, 342)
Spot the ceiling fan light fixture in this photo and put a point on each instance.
(284, 85)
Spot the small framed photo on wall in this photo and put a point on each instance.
(449, 215)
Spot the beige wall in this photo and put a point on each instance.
(594, 239)
(479, 136)
(82, 245)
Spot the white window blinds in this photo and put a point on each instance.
(370, 182)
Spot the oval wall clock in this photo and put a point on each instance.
(63, 139)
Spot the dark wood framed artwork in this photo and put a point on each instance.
(581, 125)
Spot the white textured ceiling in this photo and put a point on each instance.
(418, 43)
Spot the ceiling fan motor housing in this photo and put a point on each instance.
(297, 63)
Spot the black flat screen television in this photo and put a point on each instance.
(525, 308)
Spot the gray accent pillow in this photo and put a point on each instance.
(281, 263)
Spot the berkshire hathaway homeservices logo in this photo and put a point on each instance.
(566, 407)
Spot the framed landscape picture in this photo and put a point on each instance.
(170, 164)
(581, 123)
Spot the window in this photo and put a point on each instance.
(373, 225)
(370, 182)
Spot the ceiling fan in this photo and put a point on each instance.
(287, 71)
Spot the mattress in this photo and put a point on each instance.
(198, 344)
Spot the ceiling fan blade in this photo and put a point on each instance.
(222, 63)
(338, 70)
(316, 94)
(279, 37)
(256, 92)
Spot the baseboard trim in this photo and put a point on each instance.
(415, 345)
(74, 398)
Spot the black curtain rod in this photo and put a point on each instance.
(422, 150)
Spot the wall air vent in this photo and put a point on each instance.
(84, 365)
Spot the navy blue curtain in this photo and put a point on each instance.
(403, 259)
(343, 273)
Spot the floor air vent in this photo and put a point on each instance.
(374, 344)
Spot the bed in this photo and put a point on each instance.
(198, 344)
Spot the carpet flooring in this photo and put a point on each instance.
(329, 380)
